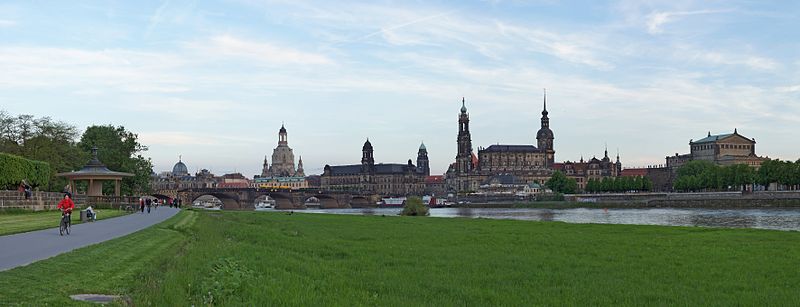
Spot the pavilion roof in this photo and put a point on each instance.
(94, 168)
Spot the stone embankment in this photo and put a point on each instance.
(49, 200)
(695, 200)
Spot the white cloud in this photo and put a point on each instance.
(230, 46)
(656, 20)
(4, 23)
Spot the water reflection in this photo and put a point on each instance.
(770, 218)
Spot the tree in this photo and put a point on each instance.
(42, 139)
(119, 150)
(560, 183)
(414, 206)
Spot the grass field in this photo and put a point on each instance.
(259, 259)
(24, 221)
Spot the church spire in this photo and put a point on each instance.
(544, 104)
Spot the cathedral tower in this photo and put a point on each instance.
(422, 160)
(545, 137)
(464, 156)
(367, 160)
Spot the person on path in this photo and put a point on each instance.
(90, 214)
(141, 204)
(148, 203)
(66, 205)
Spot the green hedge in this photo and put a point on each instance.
(13, 169)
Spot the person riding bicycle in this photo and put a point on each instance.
(66, 205)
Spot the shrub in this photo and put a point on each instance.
(14, 169)
(414, 207)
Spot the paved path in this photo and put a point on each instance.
(25, 248)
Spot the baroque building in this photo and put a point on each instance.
(387, 179)
(522, 164)
(282, 173)
(721, 149)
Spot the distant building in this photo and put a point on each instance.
(582, 171)
(525, 163)
(391, 179)
(282, 173)
(235, 180)
(721, 149)
(179, 178)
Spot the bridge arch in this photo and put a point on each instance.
(282, 200)
(228, 201)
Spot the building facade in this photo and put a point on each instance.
(721, 149)
(522, 164)
(282, 174)
(390, 179)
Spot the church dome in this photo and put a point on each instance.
(180, 169)
(544, 133)
(283, 129)
(367, 145)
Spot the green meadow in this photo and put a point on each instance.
(23, 221)
(266, 258)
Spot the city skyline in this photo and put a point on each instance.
(204, 80)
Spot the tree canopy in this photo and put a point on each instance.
(560, 183)
(56, 143)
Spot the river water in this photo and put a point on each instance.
(765, 218)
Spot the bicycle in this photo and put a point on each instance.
(65, 224)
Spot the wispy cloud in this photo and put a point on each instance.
(656, 20)
(264, 52)
(4, 23)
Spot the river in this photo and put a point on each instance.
(769, 218)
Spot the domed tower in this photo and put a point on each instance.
(545, 137)
(422, 160)
(282, 156)
(180, 169)
(464, 155)
(367, 160)
(300, 172)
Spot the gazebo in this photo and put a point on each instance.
(95, 172)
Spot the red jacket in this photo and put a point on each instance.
(66, 205)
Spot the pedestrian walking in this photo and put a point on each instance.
(141, 204)
(148, 203)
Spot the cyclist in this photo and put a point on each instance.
(66, 205)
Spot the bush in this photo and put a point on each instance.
(14, 169)
(414, 207)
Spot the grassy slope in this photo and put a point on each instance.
(17, 222)
(258, 258)
(277, 259)
(117, 266)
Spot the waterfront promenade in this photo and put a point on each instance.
(25, 248)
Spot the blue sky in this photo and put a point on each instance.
(213, 80)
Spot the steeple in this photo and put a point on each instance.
(265, 168)
(423, 164)
(300, 172)
(544, 107)
(464, 141)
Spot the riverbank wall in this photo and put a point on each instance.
(49, 201)
(693, 200)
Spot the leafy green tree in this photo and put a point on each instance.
(120, 150)
(42, 139)
(414, 206)
(560, 183)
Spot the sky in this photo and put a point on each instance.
(212, 81)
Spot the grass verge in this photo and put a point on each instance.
(113, 267)
(17, 222)
(267, 259)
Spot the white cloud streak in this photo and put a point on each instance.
(655, 21)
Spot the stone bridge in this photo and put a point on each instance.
(245, 198)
